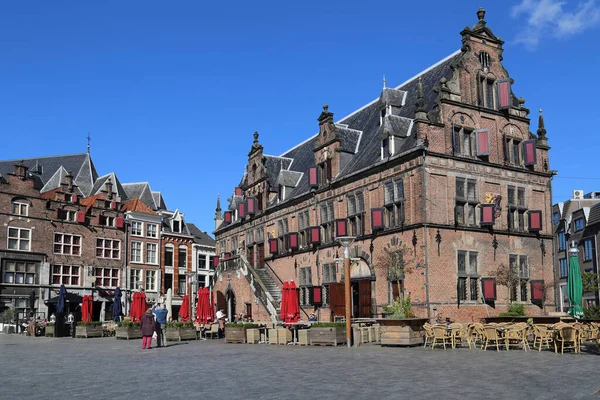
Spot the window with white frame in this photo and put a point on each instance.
(19, 239)
(20, 207)
(66, 274)
(70, 215)
(136, 252)
(305, 286)
(107, 277)
(201, 261)
(19, 272)
(151, 249)
(108, 248)
(182, 257)
(169, 255)
(466, 202)
(67, 244)
(176, 226)
(151, 280)
(137, 228)
(468, 276)
(135, 279)
(152, 231)
(519, 269)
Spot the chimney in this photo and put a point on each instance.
(69, 181)
(108, 186)
(20, 170)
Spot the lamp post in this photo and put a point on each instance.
(190, 275)
(346, 242)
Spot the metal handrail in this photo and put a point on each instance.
(274, 273)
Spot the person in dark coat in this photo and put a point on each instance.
(147, 326)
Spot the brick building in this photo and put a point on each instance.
(576, 223)
(440, 180)
(88, 232)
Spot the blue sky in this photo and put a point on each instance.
(172, 94)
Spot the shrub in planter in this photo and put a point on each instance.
(128, 330)
(328, 325)
(328, 333)
(236, 332)
(515, 310)
(128, 324)
(89, 329)
(181, 331)
(93, 323)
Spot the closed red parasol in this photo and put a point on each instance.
(183, 311)
(284, 301)
(86, 308)
(292, 310)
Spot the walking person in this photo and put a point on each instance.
(161, 324)
(147, 327)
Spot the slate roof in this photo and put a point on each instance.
(594, 217)
(117, 188)
(393, 97)
(42, 169)
(201, 238)
(142, 191)
(360, 130)
(159, 201)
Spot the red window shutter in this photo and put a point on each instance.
(119, 222)
(537, 291)
(315, 234)
(293, 240)
(60, 213)
(113, 205)
(227, 217)
(74, 198)
(488, 286)
(535, 220)
(313, 177)
(81, 217)
(341, 228)
(215, 261)
(241, 210)
(376, 219)
(482, 138)
(504, 94)
(317, 295)
(239, 191)
(529, 152)
(273, 246)
(487, 214)
(251, 205)
(227, 255)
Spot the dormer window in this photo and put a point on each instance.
(325, 172)
(387, 147)
(385, 111)
(177, 226)
(281, 193)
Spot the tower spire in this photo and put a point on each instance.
(384, 81)
(88, 143)
(542, 139)
(421, 109)
(218, 215)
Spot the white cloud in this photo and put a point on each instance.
(550, 18)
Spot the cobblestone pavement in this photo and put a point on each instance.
(104, 368)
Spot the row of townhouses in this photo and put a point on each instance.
(441, 181)
(64, 224)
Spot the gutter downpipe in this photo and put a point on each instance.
(425, 233)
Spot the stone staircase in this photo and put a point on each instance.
(270, 283)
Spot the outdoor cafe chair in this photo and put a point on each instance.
(516, 335)
(460, 334)
(568, 337)
(440, 336)
(214, 330)
(477, 334)
(542, 336)
(428, 334)
(492, 335)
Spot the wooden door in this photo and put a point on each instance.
(261, 255)
(364, 299)
(337, 299)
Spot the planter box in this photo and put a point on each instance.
(130, 332)
(179, 334)
(328, 336)
(284, 336)
(49, 331)
(402, 332)
(235, 334)
(252, 336)
(304, 337)
(272, 336)
(88, 331)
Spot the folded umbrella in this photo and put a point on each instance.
(292, 308)
(284, 301)
(116, 308)
(183, 311)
